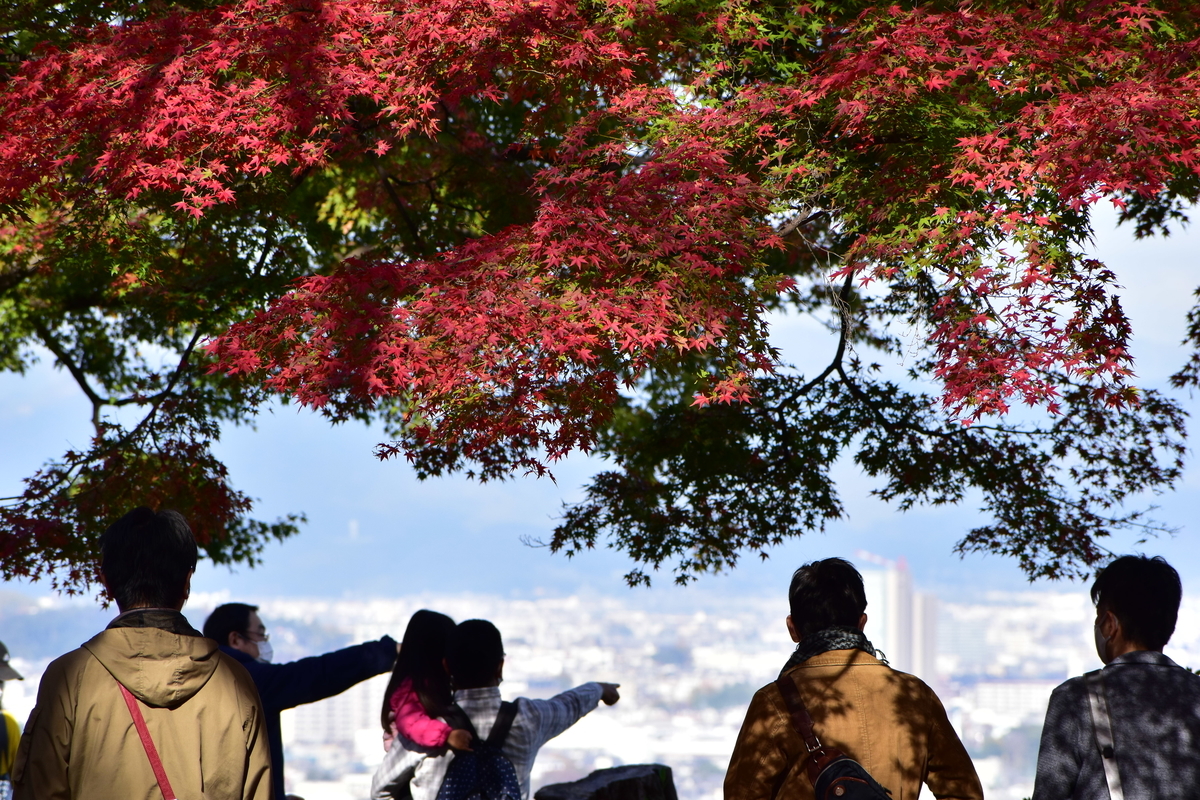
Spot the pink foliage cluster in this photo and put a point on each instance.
(193, 103)
(1076, 107)
(651, 221)
(526, 336)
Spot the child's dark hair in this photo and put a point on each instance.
(420, 659)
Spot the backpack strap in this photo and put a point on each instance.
(821, 755)
(500, 728)
(1102, 725)
(156, 764)
(455, 717)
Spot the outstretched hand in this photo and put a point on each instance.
(610, 694)
(459, 739)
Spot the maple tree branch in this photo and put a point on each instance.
(157, 399)
(862, 398)
(187, 352)
(268, 243)
(426, 182)
(880, 417)
(418, 240)
(443, 202)
(77, 373)
(98, 402)
(68, 476)
(843, 297)
(1011, 431)
(1128, 521)
(800, 221)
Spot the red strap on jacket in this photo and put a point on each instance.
(156, 764)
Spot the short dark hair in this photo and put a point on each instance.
(1144, 594)
(826, 593)
(474, 653)
(226, 619)
(146, 557)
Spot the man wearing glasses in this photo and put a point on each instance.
(241, 633)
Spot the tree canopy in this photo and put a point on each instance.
(511, 230)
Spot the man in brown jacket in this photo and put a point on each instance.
(201, 709)
(890, 722)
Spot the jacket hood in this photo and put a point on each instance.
(158, 667)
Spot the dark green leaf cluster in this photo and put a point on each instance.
(695, 488)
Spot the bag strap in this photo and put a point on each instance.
(504, 721)
(1102, 725)
(801, 720)
(156, 764)
(821, 755)
(455, 717)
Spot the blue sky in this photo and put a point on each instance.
(374, 529)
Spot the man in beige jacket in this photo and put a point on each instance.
(890, 722)
(201, 709)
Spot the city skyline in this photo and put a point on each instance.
(688, 669)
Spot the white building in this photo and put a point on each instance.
(900, 622)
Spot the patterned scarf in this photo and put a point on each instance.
(837, 637)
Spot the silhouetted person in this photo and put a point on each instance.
(201, 709)
(475, 658)
(242, 635)
(1153, 704)
(890, 722)
(10, 731)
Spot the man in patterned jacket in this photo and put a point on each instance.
(1153, 704)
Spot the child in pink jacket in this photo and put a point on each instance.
(419, 691)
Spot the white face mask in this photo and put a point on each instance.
(265, 652)
(1101, 643)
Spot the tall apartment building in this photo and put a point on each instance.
(900, 621)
